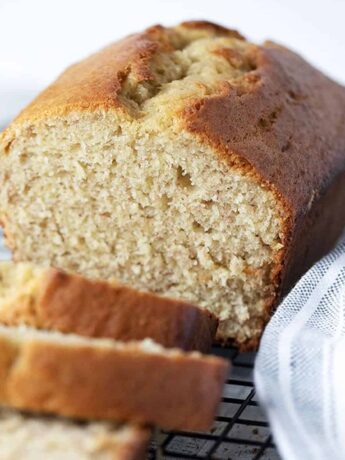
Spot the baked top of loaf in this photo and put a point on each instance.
(25, 436)
(48, 298)
(141, 382)
(186, 161)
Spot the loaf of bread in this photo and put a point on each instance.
(186, 161)
(47, 298)
(142, 382)
(33, 437)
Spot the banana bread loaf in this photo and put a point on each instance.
(140, 382)
(186, 161)
(47, 298)
(26, 436)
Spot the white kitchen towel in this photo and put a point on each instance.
(300, 367)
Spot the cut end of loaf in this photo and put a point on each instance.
(15, 277)
(37, 437)
(130, 192)
(19, 284)
(20, 335)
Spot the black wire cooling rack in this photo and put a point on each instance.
(240, 430)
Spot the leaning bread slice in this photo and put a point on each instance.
(86, 378)
(47, 298)
(35, 437)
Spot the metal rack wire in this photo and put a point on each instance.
(240, 430)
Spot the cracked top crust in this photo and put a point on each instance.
(126, 74)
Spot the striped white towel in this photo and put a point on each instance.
(300, 367)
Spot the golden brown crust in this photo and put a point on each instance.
(113, 441)
(216, 28)
(173, 391)
(135, 448)
(95, 82)
(270, 125)
(71, 303)
(287, 128)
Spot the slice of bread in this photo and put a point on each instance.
(26, 436)
(142, 382)
(185, 161)
(48, 298)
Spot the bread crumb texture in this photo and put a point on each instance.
(117, 186)
(28, 437)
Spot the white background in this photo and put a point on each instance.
(38, 38)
